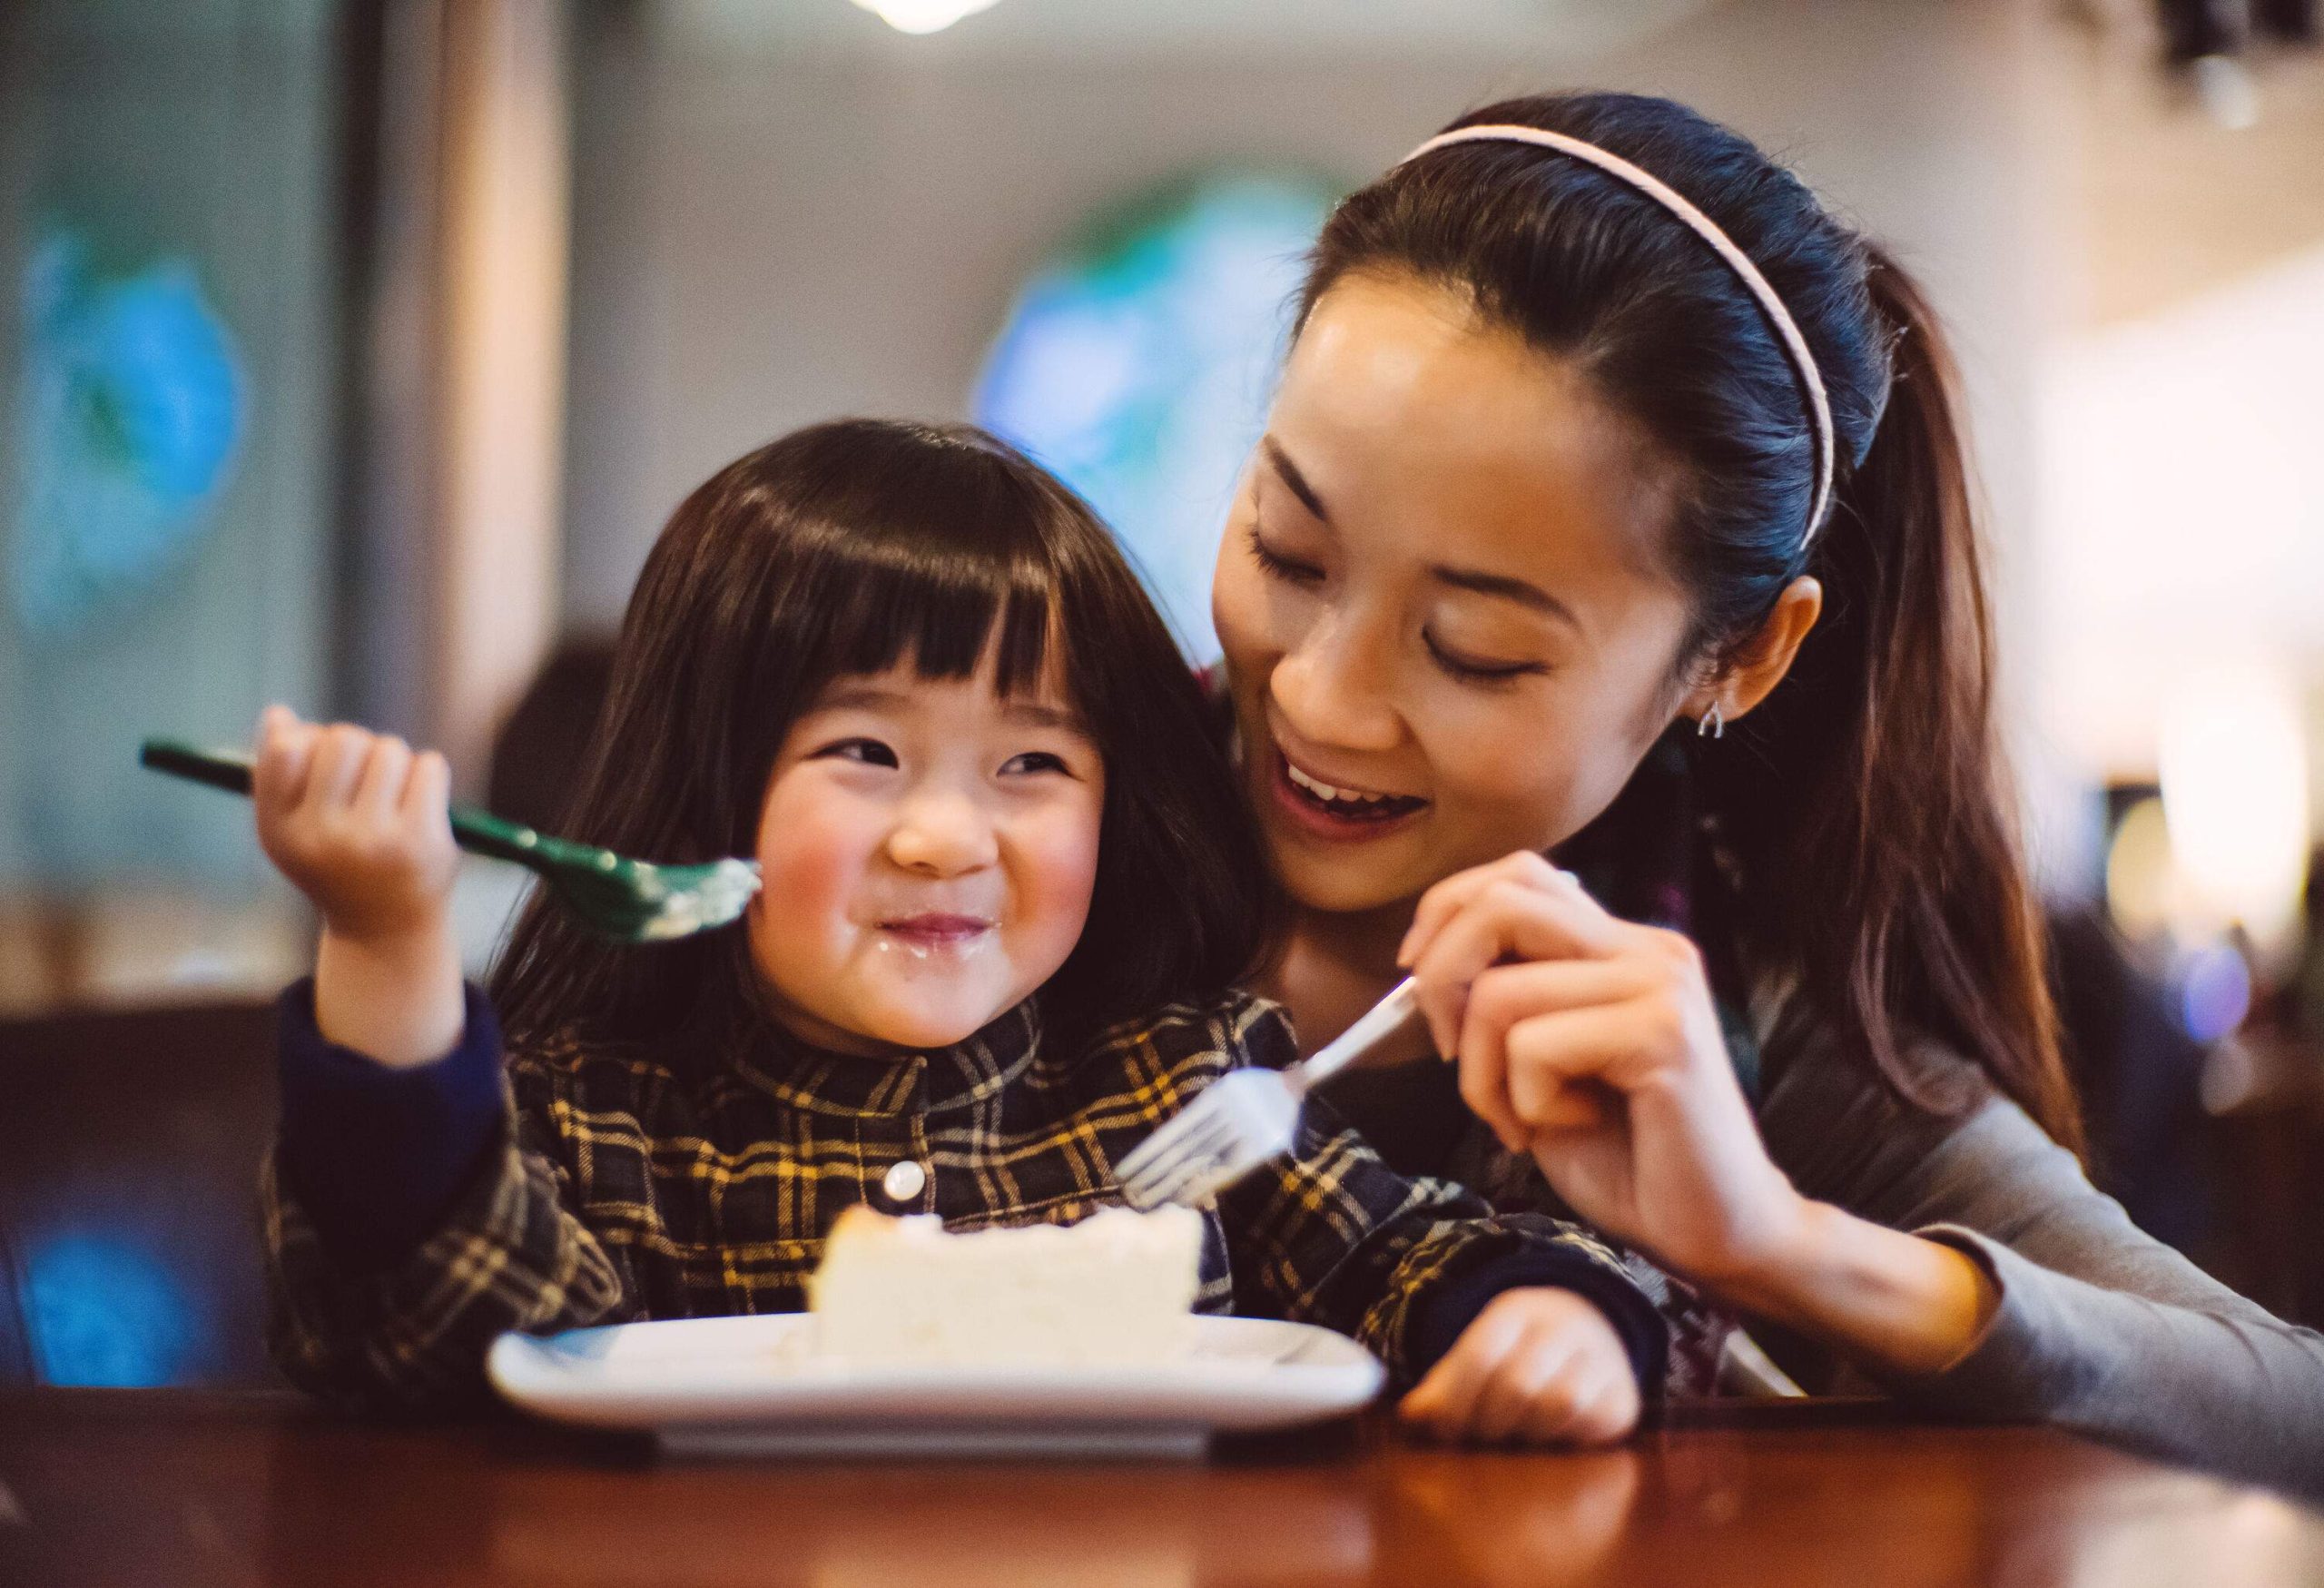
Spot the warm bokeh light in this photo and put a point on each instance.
(2234, 764)
(2139, 876)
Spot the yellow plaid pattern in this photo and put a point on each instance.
(629, 1186)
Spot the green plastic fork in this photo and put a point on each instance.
(629, 901)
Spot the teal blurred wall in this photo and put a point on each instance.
(167, 413)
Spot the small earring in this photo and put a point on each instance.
(1711, 724)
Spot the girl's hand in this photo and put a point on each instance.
(1536, 1366)
(362, 826)
(1593, 1043)
(359, 823)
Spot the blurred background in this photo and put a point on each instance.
(352, 354)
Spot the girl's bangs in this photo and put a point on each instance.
(881, 605)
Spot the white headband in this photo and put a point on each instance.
(1803, 362)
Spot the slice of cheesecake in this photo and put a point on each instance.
(1117, 1288)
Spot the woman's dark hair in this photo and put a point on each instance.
(1864, 801)
(847, 548)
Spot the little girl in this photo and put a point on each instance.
(1008, 884)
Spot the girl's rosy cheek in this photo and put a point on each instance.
(1067, 868)
(813, 847)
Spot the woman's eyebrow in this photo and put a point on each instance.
(1508, 588)
(1291, 477)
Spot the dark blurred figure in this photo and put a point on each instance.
(2194, 29)
(2141, 1079)
(2293, 21)
(540, 748)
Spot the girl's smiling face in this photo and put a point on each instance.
(929, 850)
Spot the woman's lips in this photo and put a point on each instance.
(935, 929)
(1339, 821)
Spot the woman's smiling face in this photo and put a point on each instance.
(1439, 585)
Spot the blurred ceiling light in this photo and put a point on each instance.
(923, 15)
(2234, 764)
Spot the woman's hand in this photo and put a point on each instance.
(1537, 1365)
(361, 825)
(1593, 1043)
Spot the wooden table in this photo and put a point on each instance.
(168, 1487)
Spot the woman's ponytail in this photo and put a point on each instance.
(1887, 860)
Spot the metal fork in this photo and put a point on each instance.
(1247, 1117)
(628, 901)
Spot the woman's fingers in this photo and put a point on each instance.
(1552, 1071)
(1509, 916)
(1558, 1065)
(1485, 1087)
(1523, 873)
(1516, 917)
(1449, 896)
(1505, 995)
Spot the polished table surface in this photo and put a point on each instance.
(164, 1488)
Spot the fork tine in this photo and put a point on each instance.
(1223, 1148)
(1198, 1179)
(1177, 1138)
(1150, 1181)
(1155, 1185)
(1165, 1138)
(1154, 1181)
(1158, 1189)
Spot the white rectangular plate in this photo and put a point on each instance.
(755, 1385)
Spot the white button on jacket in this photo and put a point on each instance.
(904, 1182)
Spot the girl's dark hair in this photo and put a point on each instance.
(1865, 800)
(848, 549)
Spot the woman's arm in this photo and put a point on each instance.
(1893, 1301)
(2096, 1326)
(2019, 1292)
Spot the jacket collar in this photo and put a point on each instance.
(918, 1081)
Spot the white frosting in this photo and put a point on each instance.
(1117, 1287)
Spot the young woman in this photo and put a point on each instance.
(1614, 508)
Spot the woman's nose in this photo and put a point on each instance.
(1330, 690)
(944, 835)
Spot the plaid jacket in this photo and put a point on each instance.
(615, 1188)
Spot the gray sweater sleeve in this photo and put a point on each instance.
(2099, 1327)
